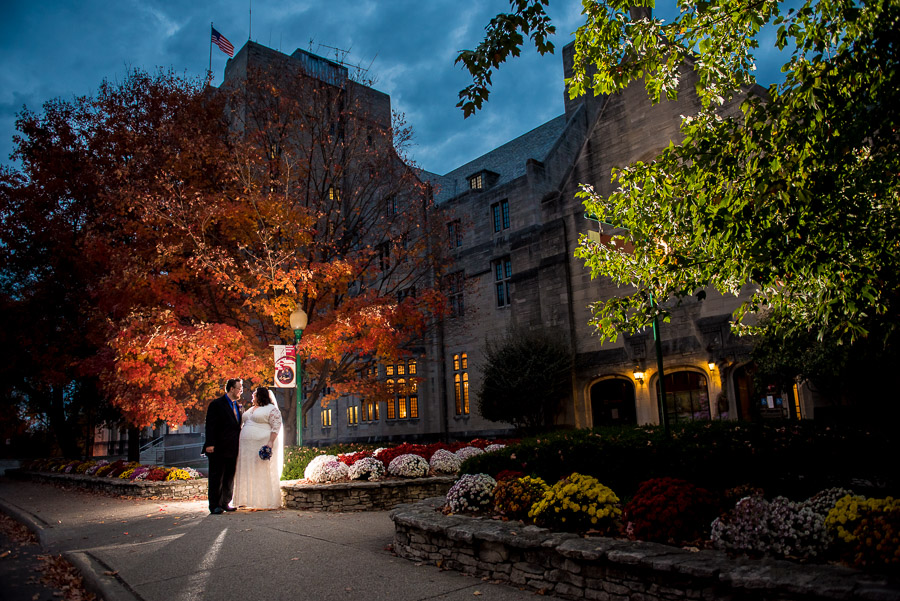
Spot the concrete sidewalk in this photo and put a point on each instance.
(143, 550)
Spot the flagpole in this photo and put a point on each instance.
(210, 47)
(250, 24)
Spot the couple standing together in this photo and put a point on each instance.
(245, 450)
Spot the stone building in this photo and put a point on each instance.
(513, 224)
(519, 223)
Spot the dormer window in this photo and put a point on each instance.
(482, 180)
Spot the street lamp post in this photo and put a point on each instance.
(657, 339)
(298, 324)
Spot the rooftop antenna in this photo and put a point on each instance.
(250, 21)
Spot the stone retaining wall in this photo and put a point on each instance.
(569, 566)
(175, 489)
(363, 495)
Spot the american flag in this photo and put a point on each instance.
(222, 42)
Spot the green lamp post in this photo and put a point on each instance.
(657, 339)
(298, 324)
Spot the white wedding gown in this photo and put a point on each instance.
(257, 482)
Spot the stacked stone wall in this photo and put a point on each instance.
(573, 567)
(363, 496)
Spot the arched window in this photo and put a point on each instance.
(687, 397)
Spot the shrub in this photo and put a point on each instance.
(877, 541)
(670, 510)
(157, 474)
(388, 455)
(178, 474)
(844, 518)
(297, 459)
(351, 458)
(444, 462)
(408, 466)
(325, 468)
(92, 470)
(367, 468)
(781, 528)
(466, 452)
(577, 504)
(823, 502)
(515, 498)
(140, 473)
(84, 466)
(508, 475)
(472, 492)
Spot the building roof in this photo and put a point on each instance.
(507, 161)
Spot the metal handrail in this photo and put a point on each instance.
(152, 443)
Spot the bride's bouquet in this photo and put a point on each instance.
(265, 453)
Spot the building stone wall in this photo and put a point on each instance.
(538, 174)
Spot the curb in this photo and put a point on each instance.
(100, 579)
(96, 575)
(37, 525)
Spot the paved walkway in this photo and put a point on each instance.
(140, 550)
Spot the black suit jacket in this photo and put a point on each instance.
(223, 429)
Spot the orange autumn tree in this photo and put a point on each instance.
(168, 370)
(317, 207)
(78, 258)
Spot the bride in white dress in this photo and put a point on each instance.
(257, 481)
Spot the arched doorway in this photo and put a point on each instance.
(612, 403)
(687, 397)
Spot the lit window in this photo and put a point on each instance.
(326, 418)
(476, 182)
(392, 402)
(401, 399)
(333, 193)
(352, 415)
(461, 384)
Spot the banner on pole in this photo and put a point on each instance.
(285, 366)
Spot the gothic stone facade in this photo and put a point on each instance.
(513, 223)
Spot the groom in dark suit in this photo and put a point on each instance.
(223, 430)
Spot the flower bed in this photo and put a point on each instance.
(119, 478)
(833, 525)
(117, 487)
(122, 469)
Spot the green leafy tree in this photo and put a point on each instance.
(526, 377)
(791, 201)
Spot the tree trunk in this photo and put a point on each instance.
(62, 430)
(134, 443)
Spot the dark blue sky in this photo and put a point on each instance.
(64, 48)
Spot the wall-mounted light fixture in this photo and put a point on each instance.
(638, 374)
(712, 365)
